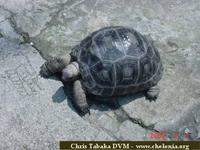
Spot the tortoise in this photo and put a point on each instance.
(109, 62)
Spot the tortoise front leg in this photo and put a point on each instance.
(79, 101)
(152, 93)
(71, 72)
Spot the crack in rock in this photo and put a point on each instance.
(1, 35)
(25, 35)
(122, 116)
(7, 30)
(54, 17)
(94, 124)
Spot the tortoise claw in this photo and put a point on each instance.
(152, 93)
(84, 112)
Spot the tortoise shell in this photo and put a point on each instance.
(116, 61)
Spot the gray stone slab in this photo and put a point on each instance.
(55, 27)
(29, 117)
(185, 126)
(6, 29)
(130, 131)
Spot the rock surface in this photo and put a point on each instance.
(29, 117)
(37, 113)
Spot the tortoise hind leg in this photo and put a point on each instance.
(152, 93)
(79, 101)
(54, 65)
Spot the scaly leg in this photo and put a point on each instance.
(79, 100)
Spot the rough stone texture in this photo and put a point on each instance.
(6, 29)
(29, 118)
(186, 125)
(35, 110)
(130, 131)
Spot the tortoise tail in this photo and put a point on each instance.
(52, 66)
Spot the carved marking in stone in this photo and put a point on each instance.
(24, 79)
